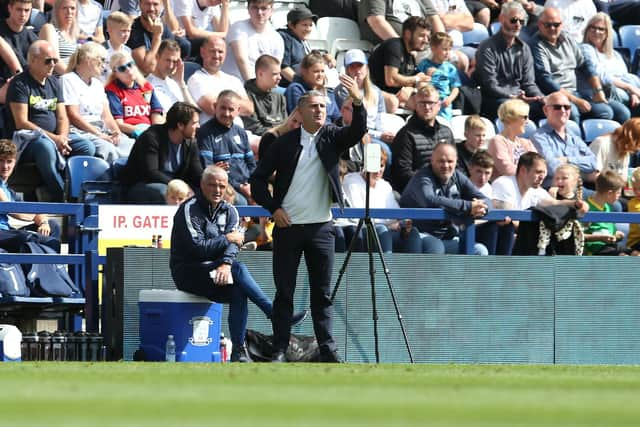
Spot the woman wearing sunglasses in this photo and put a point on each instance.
(87, 106)
(62, 33)
(132, 100)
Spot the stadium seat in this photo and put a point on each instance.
(630, 39)
(190, 67)
(616, 38)
(331, 28)
(572, 127)
(495, 27)
(341, 46)
(83, 171)
(476, 36)
(593, 128)
(279, 16)
(529, 129)
(391, 122)
(457, 127)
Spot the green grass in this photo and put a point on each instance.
(264, 395)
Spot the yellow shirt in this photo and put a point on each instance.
(634, 229)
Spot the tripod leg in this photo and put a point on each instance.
(345, 263)
(376, 240)
(371, 241)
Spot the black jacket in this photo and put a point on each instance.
(270, 109)
(282, 158)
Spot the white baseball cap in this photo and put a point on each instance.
(354, 55)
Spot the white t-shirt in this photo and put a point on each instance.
(89, 17)
(201, 18)
(202, 83)
(575, 14)
(380, 197)
(167, 91)
(90, 99)
(506, 189)
(267, 42)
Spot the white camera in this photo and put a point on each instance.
(372, 157)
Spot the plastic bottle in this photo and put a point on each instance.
(170, 349)
(159, 241)
(223, 348)
(154, 241)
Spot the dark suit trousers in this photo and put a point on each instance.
(316, 242)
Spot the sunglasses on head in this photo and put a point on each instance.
(515, 20)
(50, 61)
(551, 24)
(559, 107)
(122, 68)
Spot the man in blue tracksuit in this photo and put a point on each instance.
(205, 242)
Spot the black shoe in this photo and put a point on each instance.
(279, 357)
(330, 357)
(239, 353)
(299, 317)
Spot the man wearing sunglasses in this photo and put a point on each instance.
(37, 107)
(504, 67)
(559, 146)
(557, 60)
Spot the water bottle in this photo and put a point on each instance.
(223, 348)
(170, 350)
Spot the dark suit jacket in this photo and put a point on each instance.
(149, 154)
(282, 158)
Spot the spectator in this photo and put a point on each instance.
(299, 26)
(87, 105)
(481, 10)
(63, 32)
(618, 83)
(603, 238)
(455, 17)
(557, 59)
(507, 147)
(575, 14)
(248, 39)
(414, 143)
(46, 232)
(38, 108)
(557, 146)
(474, 135)
(440, 185)
(226, 145)
(393, 64)
(119, 29)
(633, 239)
(90, 21)
(269, 105)
(383, 20)
(205, 84)
(162, 153)
(312, 77)
(167, 78)
(291, 123)
(178, 192)
(613, 151)
(504, 67)
(197, 16)
(132, 99)
(444, 75)
(566, 182)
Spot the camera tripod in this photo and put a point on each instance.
(373, 242)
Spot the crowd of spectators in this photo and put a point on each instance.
(171, 86)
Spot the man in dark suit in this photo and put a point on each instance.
(306, 164)
(162, 153)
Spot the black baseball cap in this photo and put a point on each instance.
(300, 13)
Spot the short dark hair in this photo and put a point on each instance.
(20, 1)
(527, 160)
(265, 61)
(250, 2)
(481, 158)
(7, 148)
(168, 44)
(412, 23)
(180, 113)
(609, 181)
(228, 93)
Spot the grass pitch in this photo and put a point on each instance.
(264, 395)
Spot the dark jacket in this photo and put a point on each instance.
(198, 235)
(151, 151)
(412, 148)
(282, 158)
(298, 87)
(294, 51)
(269, 109)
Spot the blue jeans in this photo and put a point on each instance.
(43, 153)
(431, 244)
(453, 247)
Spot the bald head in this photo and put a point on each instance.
(42, 59)
(550, 24)
(443, 161)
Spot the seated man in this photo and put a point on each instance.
(205, 242)
(42, 230)
(455, 17)
(440, 185)
(38, 110)
(168, 77)
(197, 16)
(162, 153)
(269, 105)
(557, 145)
(16, 39)
(226, 145)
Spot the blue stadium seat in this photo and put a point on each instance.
(593, 128)
(83, 171)
(529, 129)
(476, 36)
(630, 39)
(495, 27)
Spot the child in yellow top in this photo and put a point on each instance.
(633, 241)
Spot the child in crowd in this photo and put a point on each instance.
(601, 238)
(566, 182)
(480, 170)
(269, 105)
(633, 241)
(177, 192)
(444, 75)
(475, 132)
(119, 29)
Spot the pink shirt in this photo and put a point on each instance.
(506, 154)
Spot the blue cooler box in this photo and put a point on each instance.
(193, 321)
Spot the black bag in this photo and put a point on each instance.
(302, 348)
(48, 280)
(12, 281)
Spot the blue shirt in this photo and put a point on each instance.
(444, 78)
(551, 146)
(4, 218)
(298, 87)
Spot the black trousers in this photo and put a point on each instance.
(316, 242)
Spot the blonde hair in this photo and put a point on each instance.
(512, 109)
(120, 18)
(635, 176)
(124, 58)
(474, 122)
(74, 30)
(178, 187)
(87, 51)
(607, 47)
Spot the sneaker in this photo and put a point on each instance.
(239, 353)
(249, 246)
(330, 357)
(299, 317)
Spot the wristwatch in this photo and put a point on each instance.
(599, 89)
(357, 102)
